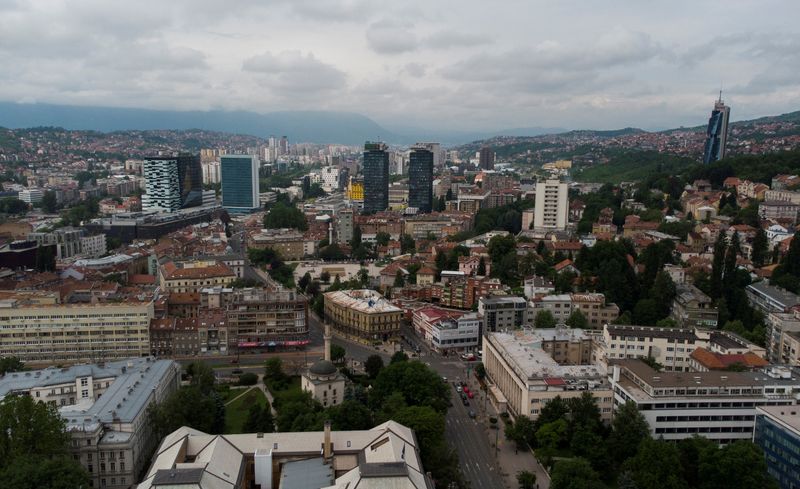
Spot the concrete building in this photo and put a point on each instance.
(211, 172)
(502, 312)
(691, 308)
(446, 329)
(769, 298)
(240, 183)
(270, 317)
(527, 369)
(717, 405)
(344, 226)
(94, 246)
(773, 210)
(486, 158)
(376, 178)
(552, 205)
(162, 185)
(384, 456)
(420, 179)
(70, 333)
(592, 305)
(104, 407)
(192, 276)
(783, 329)
(670, 347)
(777, 432)
(31, 195)
(67, 240)
(332, 178)
(289, 243)
(362, 313)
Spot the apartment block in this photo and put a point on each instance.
(289, 243)
(502, 312)
(692, 308)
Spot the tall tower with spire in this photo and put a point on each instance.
(717, 132)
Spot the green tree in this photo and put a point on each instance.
(30, 428)
(355, 242)
(526, 480)
(399, 280)
(717, 266)
(481, 272)
(577, 320)
(337, 353)
(248, 378)
(407, 244)
(331, 252)
(36, 472)
(521, 432)
(274, 377)
(188, 406)
(259, 419)
(654, 466)
(12, 205)
(590, 445)
(398, 356)
(760, 248)
(663, 292)
(350, 415)
(552, 436)
(373, 365)
(575, 473)
(10, 364)
(628, 430)
(202, 376)
(282, 216)
(49, 202)
(304, 281)
(544, 319)
(419, 384)
(646, 312)
(739, 465)
(382, 238)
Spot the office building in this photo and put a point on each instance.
(289, 243)
(420, 179)
(273, 316)
(552, 206)
(501, 312)
(777, 432)
(193, 276)
(718, 405)
(105, 410)
(31, 195)
(70, 333)
(376, 178)
(172, 182)
(486, 158)
(526, 369)
(717, 132)
(362, 313)
(384, 456)
(447, 330)
(240, 183)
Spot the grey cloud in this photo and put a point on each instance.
(391, 37)
(417, 70)
(292, 71)
(454, 39)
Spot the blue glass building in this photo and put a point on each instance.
(717, 132)
(420, 179)
(239, 175)
(376, 178)
(777, 432)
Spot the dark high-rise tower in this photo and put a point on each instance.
(376, 178)
(420, 179)
(486, 158)
(717, 132)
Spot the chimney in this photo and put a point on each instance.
(327, 446)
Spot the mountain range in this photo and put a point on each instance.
(300, 126)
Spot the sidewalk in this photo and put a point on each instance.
(510, 460)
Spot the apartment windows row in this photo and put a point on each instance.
(671, 419)
(705, 429)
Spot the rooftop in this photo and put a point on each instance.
(787, 415)
(363, 300)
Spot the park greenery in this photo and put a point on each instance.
(570, 438)
(282, 216)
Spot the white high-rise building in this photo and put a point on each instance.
(211, 172)
(552, 205)
(331, 178)
(162, 185)
(31, 195)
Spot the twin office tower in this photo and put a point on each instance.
(376, 178)
(176, 182)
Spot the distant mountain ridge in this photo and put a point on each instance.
(301, 126)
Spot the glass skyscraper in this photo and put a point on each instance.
(420, 179)
(172, 182)
(376, 178)
(717, 132)
(239, 174)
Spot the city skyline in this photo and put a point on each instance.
(475, 67)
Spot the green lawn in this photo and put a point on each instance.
(236, 412)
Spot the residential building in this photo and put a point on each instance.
(592, 305)
(344, 226)
(486, 158)
(770, 298)
(71, 333)
(777, 432)
(289, 243)
(528, 368)
(31, 195)
(172, 182)
(782, 196)
(384, 456)
(503, 312)
(420, 179)
(376, 178)
(717, 132)
(362, 313)
(67, 240)
(774, 210)
(192, 276)
(782, 331)
(105, 410)
(211, 172)
(537, 286)
(703, 360)
(240, 183)
(692, 308)
(552, 205)
(670, 347)
(94, 246)
(718, 405)
(267, 317)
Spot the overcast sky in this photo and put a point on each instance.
(462, 64)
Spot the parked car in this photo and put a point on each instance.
(466, 389)
(468, 357)
(470, 394)
(472, 414)
(465, 402)
(237, 371)
(459, 389)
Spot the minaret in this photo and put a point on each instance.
(327, 337)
